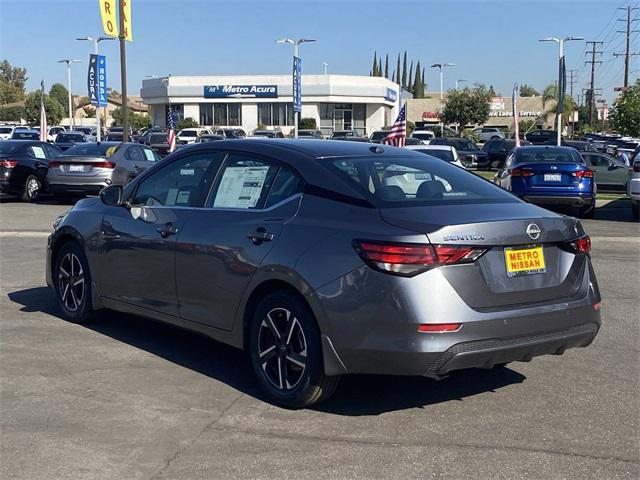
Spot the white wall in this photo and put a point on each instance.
(375, 117)
(249, 116)
(192, 110)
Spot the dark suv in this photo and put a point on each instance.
(498, 151)
(470, 155)
(539, 137)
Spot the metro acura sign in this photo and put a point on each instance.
(240, 91)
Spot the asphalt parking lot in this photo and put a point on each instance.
(129, 398)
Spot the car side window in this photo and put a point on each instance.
(150, 155)
(244, 182)
(37, 151)
(134, 154)
(51, 152)
(284, 186)
(185, 182)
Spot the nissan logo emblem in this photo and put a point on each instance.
(533, 231)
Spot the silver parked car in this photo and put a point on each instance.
(87, 168)
(322, 259)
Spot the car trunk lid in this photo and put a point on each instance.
(505, 230)
(80, 165)
(547, 175)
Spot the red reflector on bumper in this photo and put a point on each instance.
(596, 306)
(439, 327)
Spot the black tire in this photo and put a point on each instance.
(635, 209)
(32, 187)
(75, 302)
(286, 348)
(495, 165)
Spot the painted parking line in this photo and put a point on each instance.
(24, 234)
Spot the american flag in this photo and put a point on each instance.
(398, 132)
(171, 136)
(43, 115)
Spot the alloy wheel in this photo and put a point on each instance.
(71, 285)
(33, 187)
(282, 349)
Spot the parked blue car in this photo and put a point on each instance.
(550, 176)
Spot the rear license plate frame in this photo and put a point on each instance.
(528, 265)
(76, 168)
(552, 177)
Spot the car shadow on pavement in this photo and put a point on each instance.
(618, 210)
(357, 395)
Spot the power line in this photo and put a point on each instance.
(593, 62)
(627, 53)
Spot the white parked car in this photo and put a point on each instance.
(443, 152)
(424, 135)
(633, 186)
(52, 132)
(90, 133)
(190, 135)
(6, 131)
(485, 134)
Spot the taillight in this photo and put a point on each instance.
(54, 164)
(439, 327)
(103, 165)
(408, 259)
(8, 163)
(583, 174)
(636, 166)
(522, 172)
(580, 245)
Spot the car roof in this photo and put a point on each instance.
(21, 142)
(430, 147)
(532, 148)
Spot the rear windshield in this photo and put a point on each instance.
(188, 133)
(21, 135)
(467, 145)
(5, 129)
(379, 135)
(158, 138)
(415, 180)
(446, 155)
(8, 148)
(546, 155)
(70, 137)
(89, 149)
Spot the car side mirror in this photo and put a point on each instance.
(112, 195)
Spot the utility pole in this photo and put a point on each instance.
(123, 74)
(573, 101)
(591, 91)
(603, 102)
(627, 53)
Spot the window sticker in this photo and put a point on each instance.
(187, 171)
(183, 197)
(172, 195)
(149, 156)
(38, 152)
(241, 187)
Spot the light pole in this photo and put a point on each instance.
(326, 67)
(96, 41)
(295, 44)
(441, 66)
(69, 62)
(459, 81)
(559, 108)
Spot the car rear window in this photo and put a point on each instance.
(69, 137)
(546, 155)
(446, 155)
(158, 138)
(8, 148)
(188, 133)
(89, 149)
(5, 129)
(415, 180)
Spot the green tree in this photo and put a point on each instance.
(135, 119)
(624, 117)
(492, 92)
(188, 122)
(380, 67)
(410, 84)
(89, 111)
(418, 87)
(386, 66)
(60, 93)
(12, 82)
(55, 111)
(397, 79)
(466, 106)
(422, 80)
(374, 69)
(550, 101)
(307, 123)
(404, 70)
(528, 91)
(14, 114)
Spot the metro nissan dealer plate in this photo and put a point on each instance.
(524, 261)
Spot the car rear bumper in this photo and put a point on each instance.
(80, 189)
(634, 189)
(578, 201)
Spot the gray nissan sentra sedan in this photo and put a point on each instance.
(322, 259)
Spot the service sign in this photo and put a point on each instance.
(297, 76)
(240, 91)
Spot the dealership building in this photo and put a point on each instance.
(336, 102)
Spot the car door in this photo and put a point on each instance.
(135, 160)
(604, 174)
(137, 243)
(223, 244)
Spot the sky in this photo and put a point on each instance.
(492, 42)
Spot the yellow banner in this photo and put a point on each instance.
(108, 14)
(126, 5)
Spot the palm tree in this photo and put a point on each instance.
(549, 104)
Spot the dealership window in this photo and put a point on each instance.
(275, 114)
(177, 111)
(342, 116)
(221, 114)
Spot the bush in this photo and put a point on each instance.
(12, 113)
(188, 122)
(307, 123)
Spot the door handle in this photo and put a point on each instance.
(167, 230)
(260, 235)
